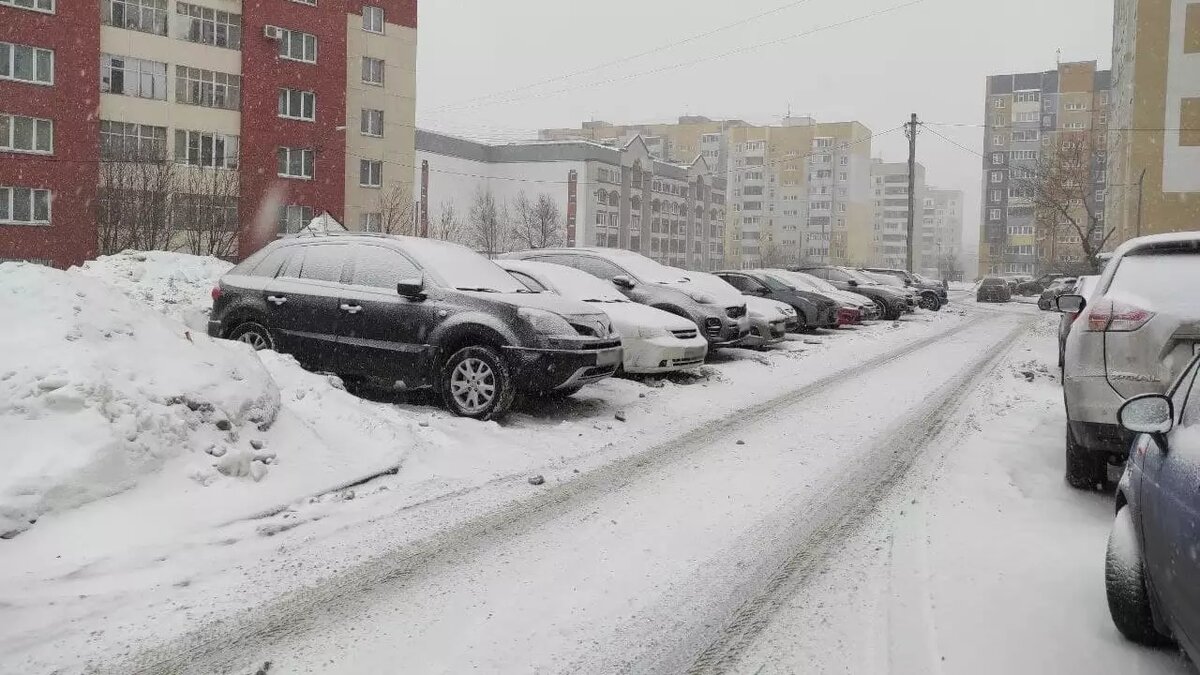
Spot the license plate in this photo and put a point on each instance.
(608, 357)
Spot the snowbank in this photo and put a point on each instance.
(97, 390)
(176, 284)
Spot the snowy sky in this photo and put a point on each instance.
(478, 58)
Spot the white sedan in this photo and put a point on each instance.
(655, 341)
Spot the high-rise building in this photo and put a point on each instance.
(1027, 115)
(168, 123)
(889, 187)
(798, 191)
(941, 243)
(1154, 139)
(609, 195)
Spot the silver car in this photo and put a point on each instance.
(1135, 334)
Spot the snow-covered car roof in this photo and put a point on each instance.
(1157, 240)
(566, 281)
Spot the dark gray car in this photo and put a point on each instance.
(893, 303)
(933, 294)
(721, 318)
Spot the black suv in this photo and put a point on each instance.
(892, 302)
(813, 310)
(408, 313)
(933, 295)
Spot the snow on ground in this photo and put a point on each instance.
(174, 551)
(176, 284)
(986, 562)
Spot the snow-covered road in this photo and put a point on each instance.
(730, 548)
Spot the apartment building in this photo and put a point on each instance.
(799, 191)
(889, 189)
(940, 254)
(609, 195)
(1154, 139)
(214, 116)
(1027, 115)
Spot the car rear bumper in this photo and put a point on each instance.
(1092, 407)
(542, 370)
(1103, 439)
(664, 354)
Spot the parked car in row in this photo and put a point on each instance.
(1056, 288)
(993, 289)
(408, 313)
(932, 295)
(1134, 335)
(719, 315)
(1151, 566)
(770, 321)
(1036, 286)
(813, 310)
(851, 303)
(654, 341)
(910, 297)
(1083, 287)
(892, 303)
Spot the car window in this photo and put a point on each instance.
(837, 275)
(739, 282)
(323, 263)
(380, 267)
(598, 267)
(269, 265)
(1156, 280)
(530, 283)
(818, 273)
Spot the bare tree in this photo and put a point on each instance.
(1061, 188)
(776, 255)
(205, 211)
(397, 211)
(536, 224)
(487, 224)
(133, 205)
(448, 225)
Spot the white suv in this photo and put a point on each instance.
(1138, 331)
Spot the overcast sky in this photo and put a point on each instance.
(478, 58)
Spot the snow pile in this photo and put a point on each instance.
(176, 284)
(98, 390)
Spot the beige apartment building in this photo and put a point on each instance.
(798, 191)
(1154, 140)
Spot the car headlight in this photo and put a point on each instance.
(647, 332)
(702, 298)
(546, 323)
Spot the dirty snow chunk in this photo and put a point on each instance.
(176, 284)
(100, 390)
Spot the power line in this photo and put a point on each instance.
(1094, 130)
(953, 142)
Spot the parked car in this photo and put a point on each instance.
(813, 310)
(850, 302)
(1151, 566)
(1036, 286)
(1135, 334)
(993, 289)
(892, 303)
(720, 316)
(654, 341)
(1083, 287)
(933, 295)
(1015, 280)
(409, 313)
(1056, 288)
(910, 297)
(769, 321)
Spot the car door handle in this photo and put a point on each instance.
(277, 299)
(352, 309)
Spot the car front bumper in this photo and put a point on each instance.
(722, 331)
(538, 370)
(664, 354)
(763, 333)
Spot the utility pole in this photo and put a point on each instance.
(910, 130)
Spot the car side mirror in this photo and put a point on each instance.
(853, 282)
(762, 291)
(413, 289)
(623, 281)
(1148, 414)
(1070, 303)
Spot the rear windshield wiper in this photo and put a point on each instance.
(478, 290)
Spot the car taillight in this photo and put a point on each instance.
(1117, 317)
(216, 293)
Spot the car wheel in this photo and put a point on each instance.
(930, 302)
(801, 322)
(894, 314)
(1125, 584)
(476, 382)
(254, 334)
(1084, 469)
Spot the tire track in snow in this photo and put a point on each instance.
(231, 644)
(847, 501)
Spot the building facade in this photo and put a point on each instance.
(1028, 115)
(941, 252)
(1154, 139)
(890, 237)
(615, 196)
(162, 123)
(799, 191)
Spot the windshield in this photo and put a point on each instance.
(462, 268)
(862, 278)
(885, 279)
(574, 284)
(648, 271)
(776, 284)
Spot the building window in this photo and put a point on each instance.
(370, 173)
(372, 19)
(993, 214)
(208, 26)
(147, 16)
(842, 176)
(1025, 136)
(1028, 97)
(997, 196)
(297, 46)
(133, 77)
(843, 161)
(206, 212)
(1075, 126)
(26, 134)
(293, 217)
(206, 149)
(997, 141)
(997, 177)
(997, 158)
(208, 88)
(132, 142)
(372, 70)
(24, 206)
(372, 123)
(26, 64)
(38, 5)
(370, 222)
(295, 163)
(297, 104)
